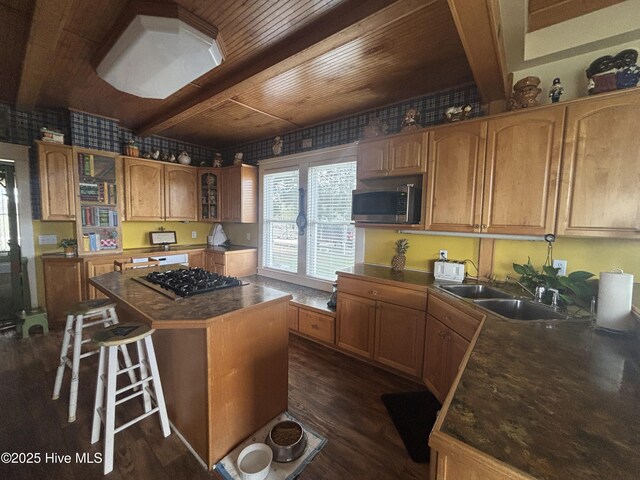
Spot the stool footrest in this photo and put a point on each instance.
(136, 420)
(134, 385)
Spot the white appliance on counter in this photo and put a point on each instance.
(216, 235)
(449, 271)
(177, 259)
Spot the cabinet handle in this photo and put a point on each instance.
(484, 225)
(476, 225)
(373, 292)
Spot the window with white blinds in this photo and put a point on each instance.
(330, 235)
(280, 209)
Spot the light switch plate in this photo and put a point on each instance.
(194, 234)
(47, 239)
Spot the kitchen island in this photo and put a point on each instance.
(223, 357)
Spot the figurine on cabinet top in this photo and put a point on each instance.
(156, 155)
(375, 128)
(556, 91)
(276, 148)
(184, 158)
(217, 160)
(613, 72)
(411, 120)
(455, 114)
(237, 158)
(525, 93)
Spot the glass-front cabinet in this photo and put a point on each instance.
(208, 193)
(98, 219)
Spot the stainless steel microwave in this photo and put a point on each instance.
(387, 205)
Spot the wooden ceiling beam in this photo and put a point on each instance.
(267, 114)
(341, 25)
(479, 28)
(48, 20)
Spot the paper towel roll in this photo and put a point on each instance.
(614, 301)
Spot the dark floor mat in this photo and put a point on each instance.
(413, 414)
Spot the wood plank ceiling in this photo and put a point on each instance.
(289, 64)
(544, 13)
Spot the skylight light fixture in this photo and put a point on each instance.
(158, 53)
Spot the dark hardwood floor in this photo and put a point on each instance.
(337, 396)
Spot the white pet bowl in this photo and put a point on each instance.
(254, 461)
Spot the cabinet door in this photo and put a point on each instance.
(456, 173)
(208, 194)
(601, 169)
(436, 358)
(457, 349)
(230, 185)
(408, 154)
(355, 324)
(196, 259)
(57, 185)
(241, 263)
(373, 159)
(96, 268)
(63, 288)
(144, 190)
(180, 185)
(521, 174)
(399, 341)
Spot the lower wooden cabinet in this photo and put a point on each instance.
(196, 259)
(235, 263)
(64, 287)
(399, 338)
(355, 324)
(316, 325)
(447, 338)
(96, 267)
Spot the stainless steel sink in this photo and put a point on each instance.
(475, 291)
(519, 309)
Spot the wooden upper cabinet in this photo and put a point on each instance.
(373, 158)
(407, 154)
(601, 169)
(180, 192)
(455, 179)
(57, 184)
(521, 172)
(239, 194)
(208, 194)
(403, 154)
(144, 190)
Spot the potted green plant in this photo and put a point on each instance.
(69, 246)
(574, 289)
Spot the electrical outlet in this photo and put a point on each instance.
(248, 236)
(48, 239)
(443, 255)
(194, 234)
(562, 265)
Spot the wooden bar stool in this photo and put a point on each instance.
(109, 340)
(83, 315)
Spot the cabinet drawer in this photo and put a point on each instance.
(459, 321)
(387, 293)
(316, 325)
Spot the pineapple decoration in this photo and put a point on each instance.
(399, 260)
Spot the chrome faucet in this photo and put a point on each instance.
(539, 292)
(521, 285)
(554, 299)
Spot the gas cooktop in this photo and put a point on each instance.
(185, 282)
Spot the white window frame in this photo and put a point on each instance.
(302, 161)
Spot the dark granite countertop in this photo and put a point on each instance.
(556, 400)
(308, 297)
(408, 278)
(191, 312)
(175, 249)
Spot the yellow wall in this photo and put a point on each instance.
(136, 234)
(423, 249)
(590, 254)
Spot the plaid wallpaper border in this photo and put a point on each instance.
(346, 130)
